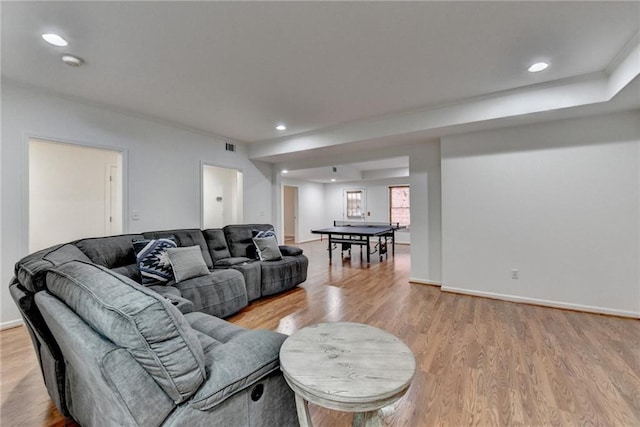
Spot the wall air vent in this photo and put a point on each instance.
(230, 147)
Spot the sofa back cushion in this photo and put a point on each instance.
(30, 270)
(139, 320)
(239, 237)
(217, 244)
(185, 237)
(114, 252)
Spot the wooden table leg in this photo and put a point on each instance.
(302, 407)
(374, 418)
(367, 419)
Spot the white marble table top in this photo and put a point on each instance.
(347, 366)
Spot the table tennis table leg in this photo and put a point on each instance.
(393, 242)
(368, 251)
(329, 249)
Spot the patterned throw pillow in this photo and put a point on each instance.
(153, 260)
(262, 234)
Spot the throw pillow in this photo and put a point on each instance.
(266, 233)
(187, 263)
(267, 248)
(152, 260)
(252, 251)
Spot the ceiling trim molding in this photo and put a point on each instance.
(568, 93)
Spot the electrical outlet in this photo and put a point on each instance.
(515, 273)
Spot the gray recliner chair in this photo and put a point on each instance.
(133, 359)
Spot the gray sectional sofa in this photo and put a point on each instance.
(114, 352)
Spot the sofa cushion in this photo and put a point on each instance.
(290, 250)
(153, 260)
(236, 364)
(31, 269)
(187, 263)
(130, 270)
(110, 252)
(214, 327)
(155, 333)
(185, 237)
(239, 237)
(217, 244)
(220, 293)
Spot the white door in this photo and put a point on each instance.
(69, 193)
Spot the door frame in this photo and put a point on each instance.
(296, 211)
(24, 182)
(217, 165)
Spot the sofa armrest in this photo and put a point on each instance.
(237, 364)
(166, 290)
(174, 296)
(184, 305)
(290, 250)
(230, 262)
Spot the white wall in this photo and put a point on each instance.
(311, 204)
(426, 228)
(68, 192)
(162, 168)
(376, 202)
(558, 201)
(424, 179)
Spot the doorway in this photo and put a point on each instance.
(290, 211)
(222, 202)
(74, 192)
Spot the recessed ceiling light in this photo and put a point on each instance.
(285, 171)
(333, 180)
(54, 39)
(281, 126)
(71, 60)
(538, 66)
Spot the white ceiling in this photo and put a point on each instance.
(235, 69)
(394, 167)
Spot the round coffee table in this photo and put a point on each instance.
(348, 367)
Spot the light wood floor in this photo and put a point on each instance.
(480, 361)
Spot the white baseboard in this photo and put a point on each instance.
(309, 240)
(11, 324)
(545, 303)
(425, 282)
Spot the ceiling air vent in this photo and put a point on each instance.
(230, 147)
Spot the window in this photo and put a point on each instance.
(399, 207)
(354, 203)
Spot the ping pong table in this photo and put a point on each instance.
(360, 234)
